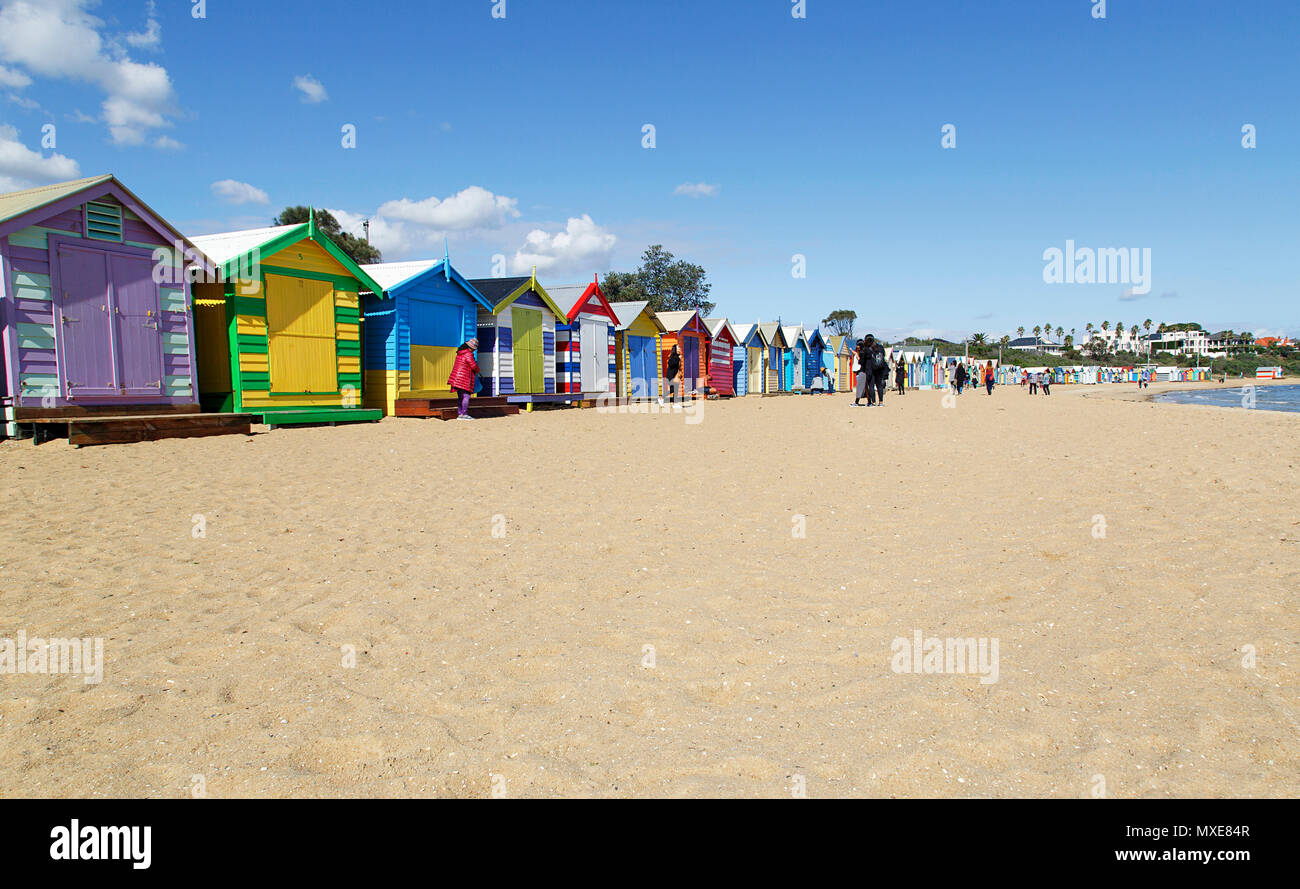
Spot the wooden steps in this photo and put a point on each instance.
(125, 429)
(318, 415)
(448, 408)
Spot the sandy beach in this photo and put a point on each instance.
(647, 620)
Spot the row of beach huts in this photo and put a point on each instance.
(118, 327)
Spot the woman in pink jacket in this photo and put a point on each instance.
(463, 373)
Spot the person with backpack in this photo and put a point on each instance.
(900, 375)
(875, 369)
(989, 377)
(860, 374)
(960, 377)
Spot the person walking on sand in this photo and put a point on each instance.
(900, 375)
(463, 372)
(1033, 383)
(959, 378)
(988, 377)
(1047, 383)
(674, 374)
(860, 374)
(875, 369)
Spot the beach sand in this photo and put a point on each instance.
(516, 664)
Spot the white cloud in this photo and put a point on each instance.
(60, 39)
(697, 189)
(21, 102)
(472, 208)
(11, 78)
(167, 143)
(395, 240)
(151, 36)
(313, 91)
(234, 192)
(21, 167)
(583, 245)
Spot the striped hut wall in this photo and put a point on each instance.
(488, 352)
(613, 359)
(568, 366)
(30, 322)
(720, 367)
(548, 351)
(739, 370)
(380, 350)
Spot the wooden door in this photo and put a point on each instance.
(85, 323)
(526, 329)
(135, 318)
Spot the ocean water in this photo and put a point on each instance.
(1266, 398)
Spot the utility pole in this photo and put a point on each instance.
(365, 224)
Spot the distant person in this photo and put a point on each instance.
(674, 374)
(1033, 383)
(1047, 384)
(959, 378)
(464, 372)
(988, 377)
(900, 375)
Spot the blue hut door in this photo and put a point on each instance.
(641, 355)
(690, 361)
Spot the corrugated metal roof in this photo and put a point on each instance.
(675, 321)
(769, 331)
(16, 203)
(389, 274)
(716, 324)
(223, 247)
(794, 333)
(628, 312)
(742, 331)
(497, 289)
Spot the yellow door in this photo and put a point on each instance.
(430, 368)
(300, 335)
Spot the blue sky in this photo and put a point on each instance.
(522, 138)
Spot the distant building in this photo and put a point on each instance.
(1036, 344)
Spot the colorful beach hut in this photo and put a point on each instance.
(412, 329)
(687, 331)
(636, 346)
(819, 357)
(585, 341)
(747, 363)
(843, 364)
(722, 356)
(797, 356)
(279, 335)
(516, 340)
(95, 317)
(775, 379)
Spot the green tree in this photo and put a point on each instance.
(979, 339)
(841, 321)
(1020, 331)
(358, 249)
(668, 284)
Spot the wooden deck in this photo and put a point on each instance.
(447, 408)
(100, 429)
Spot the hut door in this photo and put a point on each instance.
(526, 327)
(754, 364)
(139, 339)
(86, 327)
(691, 361)
(594, 344)
(641, 355)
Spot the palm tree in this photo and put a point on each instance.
(1047, 330)
(1105, 325)
(1146, 325)
(1005, 341)
(1088, 327)
(1069, 342)
(1020, 331)
(1037, 331)
(979, 339)
(1060, 332)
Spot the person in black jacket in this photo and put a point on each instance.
(673, 371)
(876, 368)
